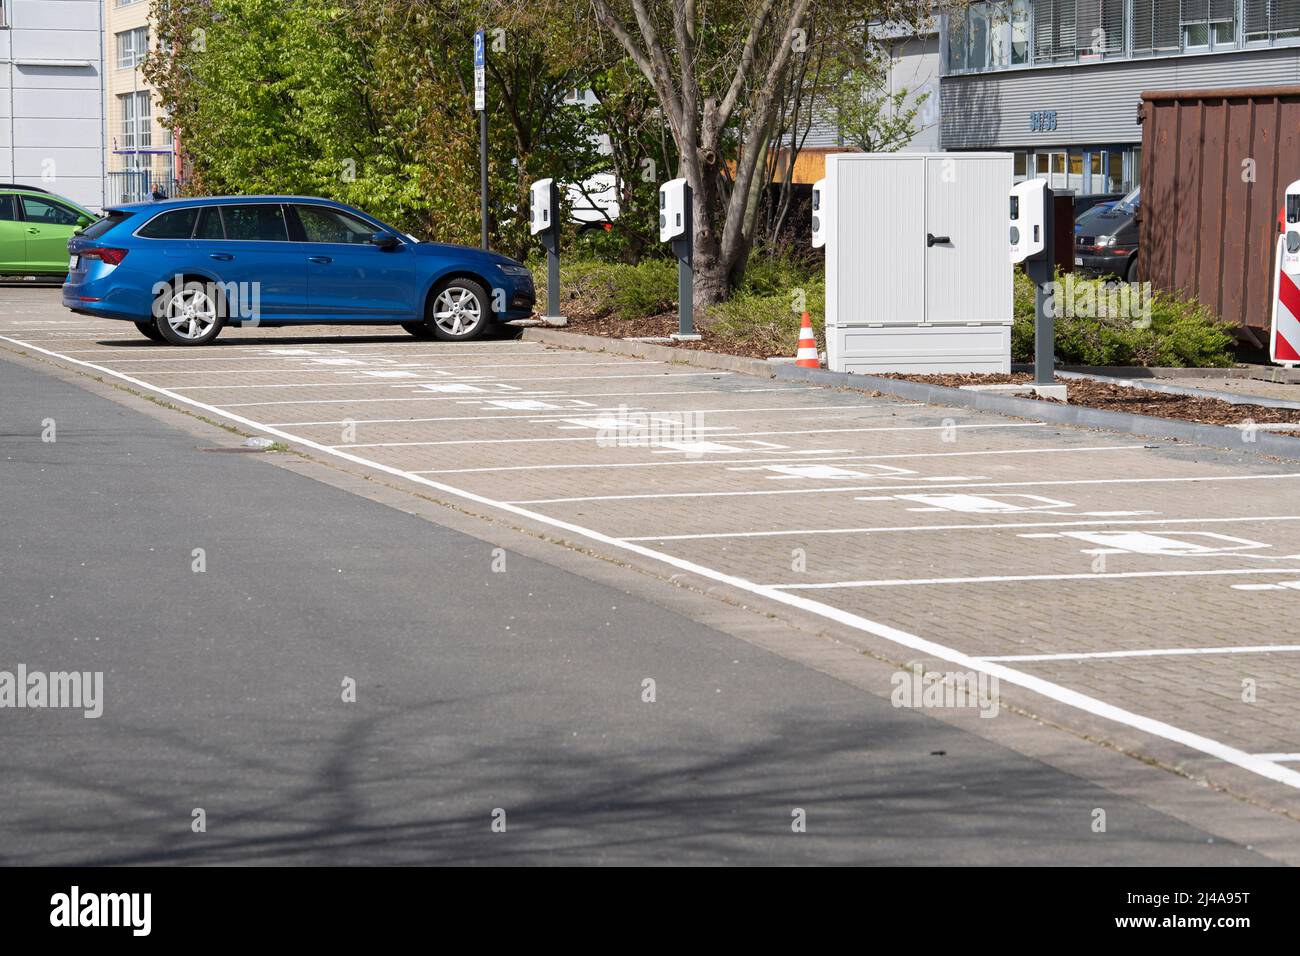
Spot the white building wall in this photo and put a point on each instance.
(51, 97)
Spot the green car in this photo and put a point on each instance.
(35, 226)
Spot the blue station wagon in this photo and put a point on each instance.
(182, 269)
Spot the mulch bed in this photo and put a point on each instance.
(1141, 401)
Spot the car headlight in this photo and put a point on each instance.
(515, 270)
(1103, 241)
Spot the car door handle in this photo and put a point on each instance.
(220, 256)
(34, 230)
(320, 259)
(932, 240)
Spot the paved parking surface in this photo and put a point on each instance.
(1148, 585)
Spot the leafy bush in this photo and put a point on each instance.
(767, 323)
(598, 289)
(1108, 323)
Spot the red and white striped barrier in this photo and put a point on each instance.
(1284, 342)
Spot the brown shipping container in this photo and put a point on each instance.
(1214, 165)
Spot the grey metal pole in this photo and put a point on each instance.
(552, 243)
(1043, 272)
(483, 176)
(684, 248)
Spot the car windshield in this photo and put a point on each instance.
(1129, 204)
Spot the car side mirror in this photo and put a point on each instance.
(385, 240)
(84, 221)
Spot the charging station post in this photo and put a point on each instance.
(675, 226)
(544, 221)
(1033, 243)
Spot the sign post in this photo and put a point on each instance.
(480, 105)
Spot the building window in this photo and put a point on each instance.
(1100, 28)
(1054, 30)
(957, 41)
(132, 45)
(1207, 23)
(1264, 20)
(137, 130)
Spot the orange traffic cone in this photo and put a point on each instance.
(807, 354)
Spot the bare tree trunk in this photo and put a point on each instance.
(698, 124)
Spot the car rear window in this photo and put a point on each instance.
(260, 221)
(177, 224)
(100, 226)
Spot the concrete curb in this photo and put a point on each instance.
(1147, 426)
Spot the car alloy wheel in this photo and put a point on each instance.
(189, 315)
(457, 311)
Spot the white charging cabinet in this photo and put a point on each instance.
(917, 277)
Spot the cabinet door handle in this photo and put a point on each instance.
(932, 240)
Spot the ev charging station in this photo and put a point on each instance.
(819, 212)
(1284, 339)
(917, 278)
(675, 226)
(1033, 243)
(544, 221)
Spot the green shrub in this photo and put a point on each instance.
(614, 288)
(767, 324)
(768, 275)
(1156, 329)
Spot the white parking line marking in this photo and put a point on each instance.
(633, 441)
(760, 461)
(1008, 578)
(1280, 758)
(183, 353)
(982, 484)
(476, 378)
(553, 418)
(547, 393)
(321, 354)
(1156, 652)
(408, 369)
(1053, 691)
(964, 527)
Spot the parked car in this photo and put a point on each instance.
(181, 269)
(35, 226)
(1091, 213)
(1108, 244)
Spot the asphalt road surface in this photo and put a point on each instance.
(228, 602)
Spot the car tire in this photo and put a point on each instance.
(192, 315)
(1131, 273)
(458, 311)
(150, 331)
(418, 329)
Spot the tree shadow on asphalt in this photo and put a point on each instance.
(381, 796)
